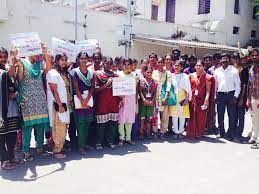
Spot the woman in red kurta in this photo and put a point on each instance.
(201, 85)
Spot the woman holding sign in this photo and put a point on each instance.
(32, 99)
(106, 105)
(84, 87)
(58, 103)
(127, 108)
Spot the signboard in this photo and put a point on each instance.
(122, 86)
(59, 46)
(28, 44)
(89, 46)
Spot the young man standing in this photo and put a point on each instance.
(228, 90)
(253, 97)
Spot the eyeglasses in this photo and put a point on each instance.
(159, 62)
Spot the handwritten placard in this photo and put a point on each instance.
(28, 44)
(89, 46)
(59, 46)
(123, 86)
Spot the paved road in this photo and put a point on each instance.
(210, 166)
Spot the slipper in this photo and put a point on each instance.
(7, 166)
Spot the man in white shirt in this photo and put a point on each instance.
(228, 89)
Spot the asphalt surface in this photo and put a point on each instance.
(209, 166)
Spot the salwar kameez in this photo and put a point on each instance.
(180, 112)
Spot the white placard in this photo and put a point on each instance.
(123, 86)
(59, 46)
(89, 46)
(28, 44)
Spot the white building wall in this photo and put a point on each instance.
(243, 20)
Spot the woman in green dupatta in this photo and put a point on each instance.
(32, 99)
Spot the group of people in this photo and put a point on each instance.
(174, 94)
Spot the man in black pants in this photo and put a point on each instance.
(228, 89)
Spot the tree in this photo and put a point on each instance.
(255, 3)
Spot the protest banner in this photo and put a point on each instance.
(122, 86)
(59, 46)
(89, 46)
(28, 44)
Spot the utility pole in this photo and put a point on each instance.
(130, 14)
(76, 20)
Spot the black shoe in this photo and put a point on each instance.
(228, 137)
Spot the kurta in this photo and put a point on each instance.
(128, 110)
(107, 105)
(34, 102)
(197, 122)
(181, 83)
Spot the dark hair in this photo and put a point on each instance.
(129, 60)
(255, 50)
(134, 60)
(236, 55)
(82, 53)
(117, 60)
(143, 61)
(216, 56)
(201, 62)
(170, 55)
(59, 56)
(192, 57)
(180, 62)
(105, 59)
(3, 50)
(152, 53)
(97, 53)
(146, 68)
(161, 58)
(225, 55)
(176, 51)
(207, 56)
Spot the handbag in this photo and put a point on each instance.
(171, 99)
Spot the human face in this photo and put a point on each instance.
(199, 68)
(192, 61)
(245, 60)
(148, 74)
(37, 58)
(107, 65)
(235, 61)
(97, 59)
(62, 62)
(114, 67)
(160, 64)
(3, 59)
(254, 57)
(177, 68)
(224, 61)
(127, 67)
(153, 59)
(208, 62)
(134, 67)
(83, 60)
(168, 62)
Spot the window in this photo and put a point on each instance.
(170, 11)
(154, 12)
(204, 7)
(236, 7)
(253, 34)
(235, 30)
(255, 10)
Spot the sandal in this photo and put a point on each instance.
(112, 146)
(99, 147)
(82, 151)
(18, 161)
(41, 152)
(59, 156)
(255, 146)
(120, 144)
(28, 157)
(6, 165)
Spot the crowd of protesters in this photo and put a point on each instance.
(178, 96)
